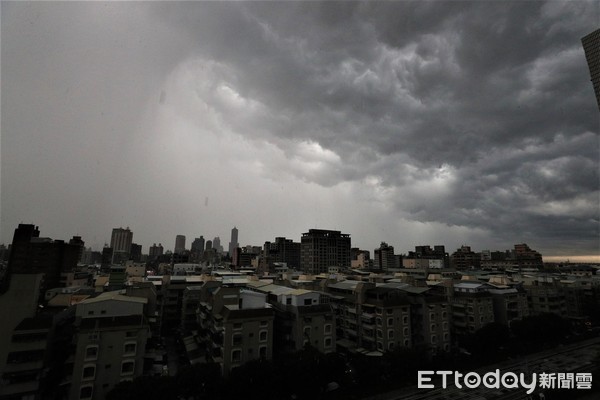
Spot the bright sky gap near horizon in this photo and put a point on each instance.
(407, 122)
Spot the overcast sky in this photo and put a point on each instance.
(408, 122)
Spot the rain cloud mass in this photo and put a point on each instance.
(407, 122)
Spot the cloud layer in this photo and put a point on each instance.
(409, 122)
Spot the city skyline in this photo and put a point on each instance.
(409, 123)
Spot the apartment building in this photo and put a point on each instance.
(509, 300)
(545, 295)
(370, 318)
(321, 249)
(472, 307)
(236, 325)
(431, 319)
(25, 362)
(302, 317)
(110, 341)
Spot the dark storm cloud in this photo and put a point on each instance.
(498, 92)
(475, 115)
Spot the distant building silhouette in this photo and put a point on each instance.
(321, 249)
(179, 244)
(136, 252)
(32, 254)
(282, 250)
(198, 244)
(120, 242)
(155, 251)
(591, 46)
(384, 258)
(121, 239)
(217, 245)
(233, 243)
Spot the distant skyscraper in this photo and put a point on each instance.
(233, 243)
(217, 245)
(321, 249)
(384, 257)
(591, 46)
(209, 245)
(121, 239)
(179, 244)
(155, 250)
(283, 250)
(136, 252)
(198, 245)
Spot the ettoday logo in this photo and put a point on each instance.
(472, 380)
(508, 380)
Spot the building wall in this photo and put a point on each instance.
(321, 249)
(105, 357)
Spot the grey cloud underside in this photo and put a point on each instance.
(498, 92)
(473, 114)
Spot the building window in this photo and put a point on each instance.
(91, 353)
(127, 367)
(89, 372)
(379, 346)
(237, 339)
(262, 351)
(129, 349)
(379, 334)
(236, 356)
(433, 339)
(90, 312)
(237, 326)
(264, 323)
(307, 331)
(85, 392)
(390, 345)
(406, 343)
(327, 342)
(445, 325)
(390, 321)
(405, 320)
(327, 328)
(405, 331)
(432, 327)
(390, 334)
(262, 336)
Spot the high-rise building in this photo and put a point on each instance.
(77, 241)
(111, 334)
(179, 244)
(464, 258)
(121, 239)
(136, 252)
(155, 250)
(591, 46)
(198, 245)
(233, 243)
(217, 245)
(31, 254)
(283, 250)
(384, 257)
(321, 249)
